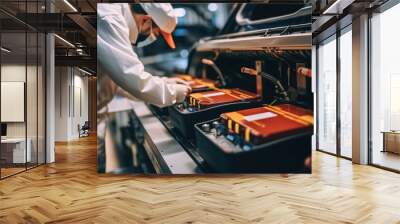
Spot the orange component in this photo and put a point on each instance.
(197, 83)
(260, 125)
(304, 71)
(220, 96)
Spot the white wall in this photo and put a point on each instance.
(71, 94)
(61, 103)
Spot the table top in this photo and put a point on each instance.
(13, 140)
(391, 132)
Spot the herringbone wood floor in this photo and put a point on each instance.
(70, 191)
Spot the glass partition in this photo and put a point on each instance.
(15, 150)
(22, 88)
(32, 97)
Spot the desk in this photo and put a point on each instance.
(13, 150)
(391, 141)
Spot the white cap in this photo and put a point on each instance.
(164, 16)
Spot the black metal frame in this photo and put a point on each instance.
(338, 98)
(0, 88)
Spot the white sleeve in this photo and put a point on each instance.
(117, 59)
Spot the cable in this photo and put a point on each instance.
(269, 77)
(277, 84)
(215, 67)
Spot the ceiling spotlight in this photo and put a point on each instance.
(179, 12)
(5, 50)
(85, 72)
(212, 7)
(337, 7)
(79, 44)
(70, 6)
(65, 41)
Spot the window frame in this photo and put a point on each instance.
(381, 9)
(337, 34)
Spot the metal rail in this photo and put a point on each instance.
(164, 151)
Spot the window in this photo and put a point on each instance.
(326, 100)
(346, 94)
(334, 100)
(385, 89)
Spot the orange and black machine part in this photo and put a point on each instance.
(202, 106)
(270, 139)
(260, 125)
(217, 97)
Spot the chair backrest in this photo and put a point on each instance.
(86, 124)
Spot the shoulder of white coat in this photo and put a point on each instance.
(110, 9)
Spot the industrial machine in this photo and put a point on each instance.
(252, 112)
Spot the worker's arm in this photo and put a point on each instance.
(117, 59)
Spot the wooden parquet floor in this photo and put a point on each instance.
(70, 191)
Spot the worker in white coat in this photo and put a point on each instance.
(119, 27)
(117, 30)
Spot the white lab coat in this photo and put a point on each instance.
(116, 30)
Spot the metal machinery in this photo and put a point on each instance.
(259, 67)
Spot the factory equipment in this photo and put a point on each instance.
(263, 139)
(252, 110)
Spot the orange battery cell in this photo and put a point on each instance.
(263, 124)
(197, 84)
(218, 97)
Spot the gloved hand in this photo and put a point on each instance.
(181, 92)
